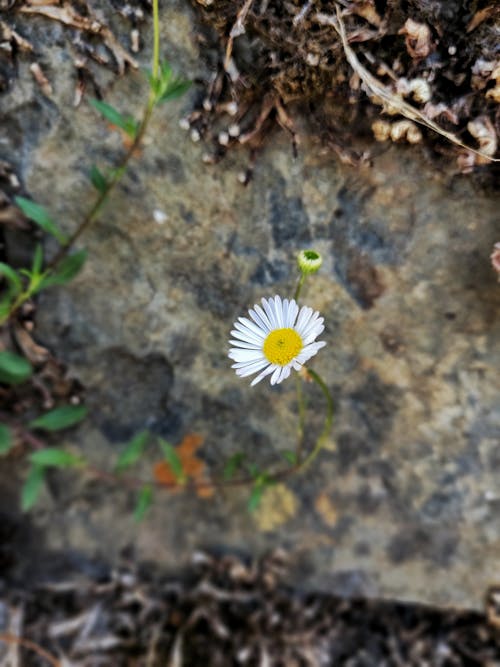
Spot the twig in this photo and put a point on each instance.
(237, 29)
(32, 646)
(378, 89)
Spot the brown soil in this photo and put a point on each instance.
(225, 611)
(274, 58)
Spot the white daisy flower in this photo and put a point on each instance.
(278, 338)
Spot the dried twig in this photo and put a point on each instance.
(382, 92)
(237, 29)
(67, 15)
(32, 646)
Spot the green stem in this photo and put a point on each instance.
(156, 40)
(328, 422)
(299, 286)
(117, 173)
(302, 417)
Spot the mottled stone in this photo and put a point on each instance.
(405, 500)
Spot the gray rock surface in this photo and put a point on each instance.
(405, 501)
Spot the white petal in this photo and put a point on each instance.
(293, 309)
(249, 336)
(276, 374)
(285, 372)
(303, 319)
(245, 364)
(244, 345)
(251, 326)
(261, 322)
(270, 313)
(278, 311)
(263, 316)
(250, 369)
(310, 351)
(314, 322)
(246, 339)
(312, 335)
(285, 312)
(262, 375)
(245, 355)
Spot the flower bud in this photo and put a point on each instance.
(309, 261)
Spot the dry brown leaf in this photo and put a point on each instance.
(10, 35)
(480, 16)
(36, 354)
(41, 79)
(67, 15)
(193, 467)
(417, 38)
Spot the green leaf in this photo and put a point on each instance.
(289, 456)
(98, 179)
(144, 501)
(232, 465)
(13, 368)
(6, 439)
(32, 487)
(175, 89)
(40, 215)
(127, 123)
(60, 418)
(255, 496)
(12, 277)
(253, 470)
(55, 458)
(173, 460)
(66, 270)
(37, 260)
(5, 306)
(133, 452)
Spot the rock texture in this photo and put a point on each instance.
(405, 501)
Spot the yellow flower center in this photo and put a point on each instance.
(282, 345)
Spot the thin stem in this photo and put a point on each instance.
(328, 422)
(299, 286)
(156, 39)
(302, 418)
(118, 172)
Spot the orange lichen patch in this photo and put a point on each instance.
(326, 509)
(194, 468)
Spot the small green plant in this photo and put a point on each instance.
(278, 338)
(20, 285)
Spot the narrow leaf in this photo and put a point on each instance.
(255, 497)
(13, 368)
(66, 270)
(12, 276)
(126, 123)
(56, 458)
(166, 71)
(32, 487)
(40, 215)
(173, 460)
(98, 179)
(232, 465)
(175, 89)
(37, 260)
(6, 439)
(289, 456)
(133, 452)
(5, 306)
(143, 503)
(60, 418)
